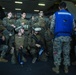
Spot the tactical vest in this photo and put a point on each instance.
(63, 23)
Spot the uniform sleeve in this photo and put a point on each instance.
(52, 24)
(5, 22)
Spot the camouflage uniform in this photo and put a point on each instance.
(19, 21)
(35, 50)
(58, 42)
(3, 46)
(9, 32)
(19, 41)
(31, 45)
(40, 22)
(27, 29)
(49, 44)
(6, 22)
(61, 43)
(57, 49)
(4, 49)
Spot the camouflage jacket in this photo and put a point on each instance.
(8, 22)
(19, 21)
(40, 21)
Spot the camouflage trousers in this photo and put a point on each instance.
(61, 46)
(4, 49)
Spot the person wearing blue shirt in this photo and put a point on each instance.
(62, 25)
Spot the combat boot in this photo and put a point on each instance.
(66, 69)
(3, 60)
(56, 69)
(43, 57)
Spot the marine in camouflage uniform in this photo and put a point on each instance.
(21, 21)
(25, 25)
(61, 43)
(19, 46)
(40, 22)
(8, 21)
(32, 21)
(9, 24)
(3, 46)
(35, 42)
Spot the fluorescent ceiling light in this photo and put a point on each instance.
(36, 10)
(18, 2)
(3, 8)
(41, 4)
(17, 9)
